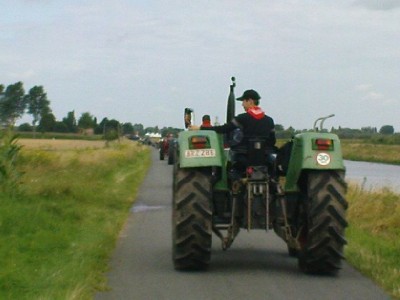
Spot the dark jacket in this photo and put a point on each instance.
(252, 126)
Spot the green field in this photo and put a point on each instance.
(363, 151)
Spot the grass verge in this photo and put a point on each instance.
(362, 151)
(359, 150)
(58, 233)
(374, 236)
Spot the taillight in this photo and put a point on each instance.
(323, 144)
(199, 142)
(249, 171)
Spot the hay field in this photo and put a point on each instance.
(62, 225)
(56, 144)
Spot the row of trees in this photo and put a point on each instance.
(346, 133)
(87, 124)
(14, 103)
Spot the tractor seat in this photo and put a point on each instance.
(257, 153)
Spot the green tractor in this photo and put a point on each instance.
(298, 191)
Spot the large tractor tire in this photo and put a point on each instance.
(171, 160)
(171, 154)
(191, 219)
(322, 238)
(161, 154)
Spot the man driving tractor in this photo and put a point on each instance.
(253, 123)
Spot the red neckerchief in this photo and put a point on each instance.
(206, 123)
(256, 112)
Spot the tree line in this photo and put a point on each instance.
(14, 103)
(343, 132)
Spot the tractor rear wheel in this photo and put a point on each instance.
(322, 238)
(171, 154)
(161, 154)
(191, 219)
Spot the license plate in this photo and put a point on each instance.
(200, 153)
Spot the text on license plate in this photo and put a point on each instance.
(200, 153)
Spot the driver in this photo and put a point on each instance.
(253, 123)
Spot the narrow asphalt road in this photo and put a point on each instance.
(257, 266)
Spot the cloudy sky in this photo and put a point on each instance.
(144, 61)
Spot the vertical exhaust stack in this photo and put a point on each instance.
(230, 111)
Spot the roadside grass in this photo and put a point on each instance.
(58, 233)
(374, 236)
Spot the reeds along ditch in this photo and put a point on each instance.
(9, 174)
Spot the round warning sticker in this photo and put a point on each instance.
(323, 159)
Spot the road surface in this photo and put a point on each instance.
(257, 266)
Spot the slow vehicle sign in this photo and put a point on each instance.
(323, 159)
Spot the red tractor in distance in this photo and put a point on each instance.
(166, 147)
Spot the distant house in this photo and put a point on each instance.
(88, 131)
(154, 137)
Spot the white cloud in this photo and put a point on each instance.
(22, 76)
(363, 87)
(373, 96)
(369, 94)
(378, 4)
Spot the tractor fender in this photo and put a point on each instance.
(310, 152)
(200, 148)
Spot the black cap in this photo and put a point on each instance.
(249, 94)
